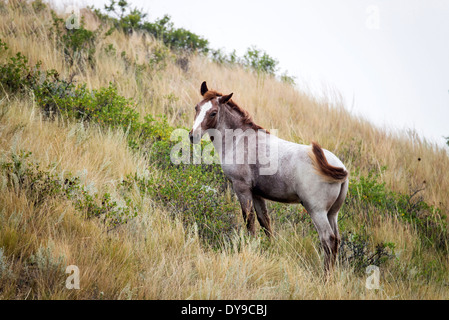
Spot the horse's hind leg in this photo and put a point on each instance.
(332, 215)
(262, 214)
(327, 237)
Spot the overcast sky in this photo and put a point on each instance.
(388, 58)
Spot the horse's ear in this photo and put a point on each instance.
(225, 99)
(204, 88)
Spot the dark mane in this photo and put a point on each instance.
(246, 118)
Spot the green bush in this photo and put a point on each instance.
(48, 90)
(3, 46)
(128, 20)
(221, 57)
(366, 192)
(259, 61)
(77, 43)
(15, 73)
(23, 175)
(16, 76)
(104, 106)
(38, 6)
(154, 129)
(288, 79)
(254, 59)
(175, 38)
(355, 251)
(195, 194)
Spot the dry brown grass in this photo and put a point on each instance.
(154, 256)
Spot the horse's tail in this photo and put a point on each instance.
(327, 171)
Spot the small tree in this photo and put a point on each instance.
(78, 44)
(260, 61)
(288, 79)
(162, 29)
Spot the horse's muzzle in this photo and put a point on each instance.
(194, 138)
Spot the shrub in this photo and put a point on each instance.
(77, 43)
(15, 75)
(221, 57)
(3, 46)
(367, 192)
(194, 193)
(127, 20)
(254, 59)
(259, 61)
(160, 54)
(38, 6)
(288, 79)
(104, 106)
(175, 38)
(355, 252)
(39, 185)
(44, 267)
(5, 267)
(49, 90)
(123, 22)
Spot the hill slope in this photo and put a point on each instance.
(93, 188)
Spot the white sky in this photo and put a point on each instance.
(388, 58)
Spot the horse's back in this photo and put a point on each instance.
(298, 169)
(294, 178)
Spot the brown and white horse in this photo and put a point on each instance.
(309, 175)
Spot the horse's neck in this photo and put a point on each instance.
(232, 128)
(228, 122)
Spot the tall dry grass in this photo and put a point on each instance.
(154, 256)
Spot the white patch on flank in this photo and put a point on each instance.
(206, 107)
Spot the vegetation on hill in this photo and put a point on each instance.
(86, 119)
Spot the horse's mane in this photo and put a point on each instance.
(246, 118)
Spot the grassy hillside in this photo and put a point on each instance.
(85, 179)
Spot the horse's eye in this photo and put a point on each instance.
(213, 114)
(196, 108)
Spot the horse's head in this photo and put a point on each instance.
(207, 112)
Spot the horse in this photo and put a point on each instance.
(305, 174)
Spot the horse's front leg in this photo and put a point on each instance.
(245, 197)
(262, 214)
